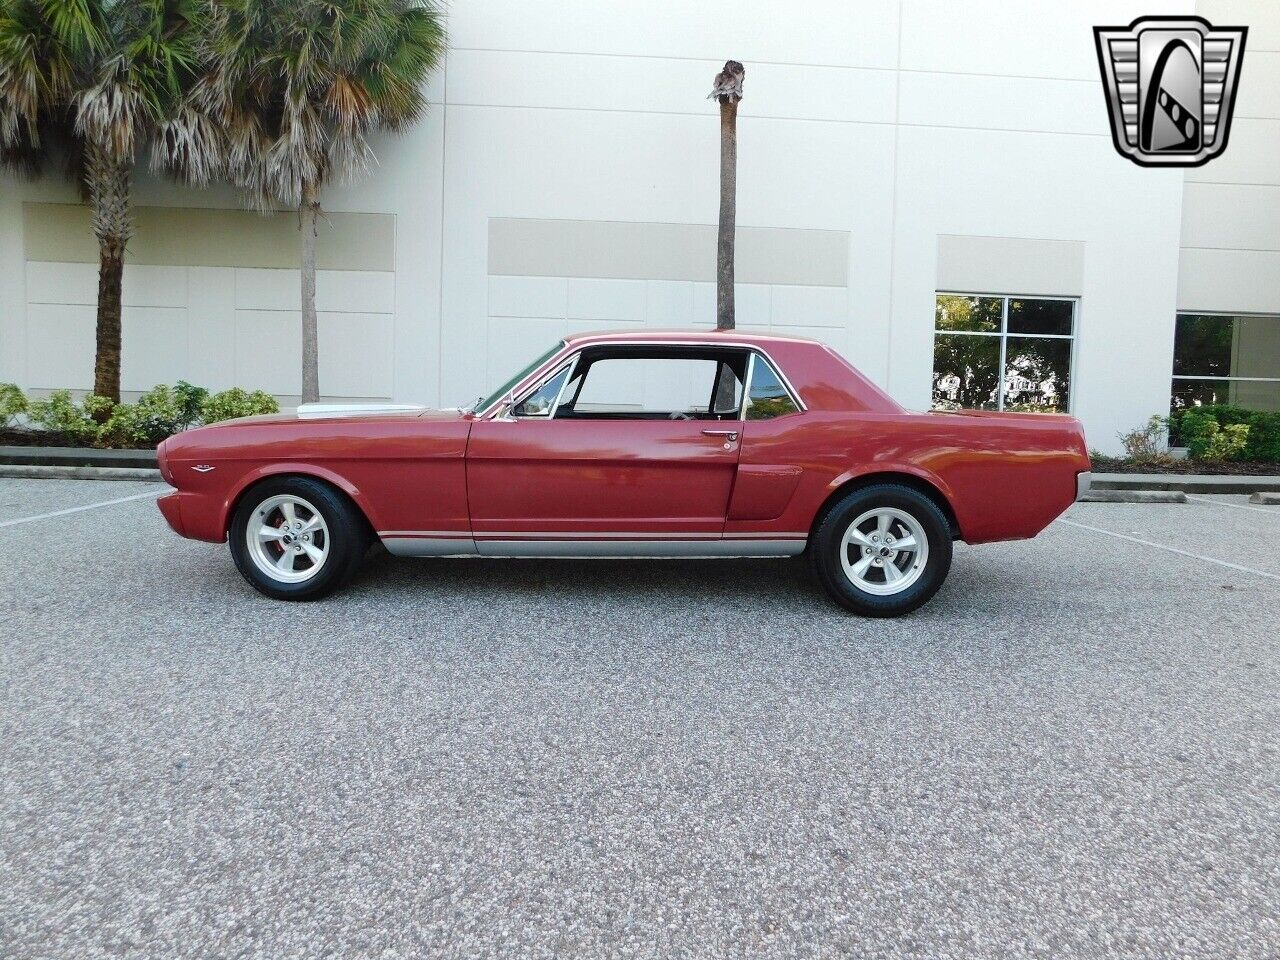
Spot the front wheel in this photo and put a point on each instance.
(883, 550)
(295, 538)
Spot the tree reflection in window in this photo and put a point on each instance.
(1002, 353)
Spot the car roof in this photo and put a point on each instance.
(685, 335)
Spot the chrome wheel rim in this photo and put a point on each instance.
(884, 551)
(288, 539)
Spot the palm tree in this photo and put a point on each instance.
(100, 80)
(297, 87)
(727, 88)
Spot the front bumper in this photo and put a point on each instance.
(172, 511)
(1083, 481)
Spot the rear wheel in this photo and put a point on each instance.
(296, 538)
(883, 550)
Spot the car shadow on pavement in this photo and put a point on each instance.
(768, 580)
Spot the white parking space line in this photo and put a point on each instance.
(1235, 506)
(87, 506)
(1160, 546)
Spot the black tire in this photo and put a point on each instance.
(346, 538)
(829, 540)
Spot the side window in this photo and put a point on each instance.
(542, 401)
(647, 385)
(767, 397)
(672, 385)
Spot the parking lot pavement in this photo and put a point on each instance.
(23, 499)
(1073, 751)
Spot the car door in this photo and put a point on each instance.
(620, 443)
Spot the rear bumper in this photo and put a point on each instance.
(1083, 482)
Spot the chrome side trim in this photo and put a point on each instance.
(545, 535)
(424, 546)
(653, 549)
(445, 534)
(428, 546)
(1083, 482)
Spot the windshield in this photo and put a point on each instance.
(486, 402)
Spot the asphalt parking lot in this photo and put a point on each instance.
(1074, 751)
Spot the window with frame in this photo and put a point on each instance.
(767, 398)
(644, 383)
(1003, 353)
(1226, 358)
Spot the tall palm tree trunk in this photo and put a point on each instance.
(108, 183)
(310, 332)
(728, 212)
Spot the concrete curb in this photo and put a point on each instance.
(1134, 496)
(19, 471)
(1270, 499)
(76, 457)
(1185, 482)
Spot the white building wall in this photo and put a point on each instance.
(894, 122)
(1231, 208)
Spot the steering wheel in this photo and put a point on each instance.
(679, 415)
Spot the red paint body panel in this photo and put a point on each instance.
(448, 474)
(405, 471)
(594, 476)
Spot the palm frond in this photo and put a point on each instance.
(318, 77)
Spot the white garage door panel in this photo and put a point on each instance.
(810, 306)
(62, 283)
(268, 289)
(355, 354)
(596, 300)
(355, 291)
(211, 329)
(528, 297)
(152, 286)
(269, 350)
(752, 304)
(669, 303)
(150, 338)
(60, 345)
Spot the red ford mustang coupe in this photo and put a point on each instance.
(638, 444)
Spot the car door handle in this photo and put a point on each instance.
(732, 435)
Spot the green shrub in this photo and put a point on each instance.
(235, 403)
(1206, 439)
(61, 414)
(159, 413)
(13, 403)
(1262, 444)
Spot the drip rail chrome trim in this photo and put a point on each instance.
(534, 380)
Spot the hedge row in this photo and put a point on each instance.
(156, 415)
(1263, 444)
